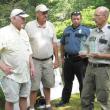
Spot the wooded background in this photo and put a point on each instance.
(59, 12)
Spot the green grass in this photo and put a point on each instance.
(2, 100)
(73, 105)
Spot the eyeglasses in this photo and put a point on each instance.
(98, 15)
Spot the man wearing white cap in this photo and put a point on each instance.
(16, 62)
(44, 45)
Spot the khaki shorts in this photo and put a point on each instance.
(44, 74)
(13, 90)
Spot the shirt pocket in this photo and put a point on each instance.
(12, 45)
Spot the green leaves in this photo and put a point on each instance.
(59, 11)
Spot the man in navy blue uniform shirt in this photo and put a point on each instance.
(73, 36)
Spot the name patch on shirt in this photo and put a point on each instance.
(103, 41)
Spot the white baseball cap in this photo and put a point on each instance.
(18, 12)
(41, 8)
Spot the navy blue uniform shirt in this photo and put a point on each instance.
(72, 38)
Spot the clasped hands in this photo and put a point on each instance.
(89, 54)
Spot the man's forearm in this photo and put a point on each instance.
(62, 51)
(31, 61)
(32, 69)
(55, 49)
(101, 56)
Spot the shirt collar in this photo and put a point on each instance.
(104, 28)
(76, 27)
(43, 26)
(14, 28)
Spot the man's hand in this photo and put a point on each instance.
(83, 54)
(6, 69)
(94, 55)
(56, 64)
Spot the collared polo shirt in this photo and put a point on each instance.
(72, 38)
(41, 38)
(15, 51)
(99, 42)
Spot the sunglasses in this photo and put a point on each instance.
(45, 12)
(76, 13)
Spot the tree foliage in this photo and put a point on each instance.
(59, 10)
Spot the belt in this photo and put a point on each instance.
(73, 57)
(99, 65)
(43, 58)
